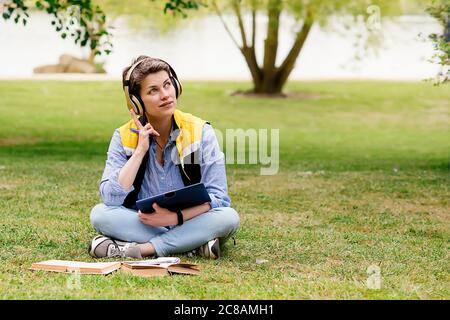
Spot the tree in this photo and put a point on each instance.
(79, 19)
(82, 20)
(267, 76)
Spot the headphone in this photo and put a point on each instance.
(134, 101)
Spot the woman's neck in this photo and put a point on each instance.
(162, 126)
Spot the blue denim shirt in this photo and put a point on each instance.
(160, 179)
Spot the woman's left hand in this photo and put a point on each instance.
(160, 218)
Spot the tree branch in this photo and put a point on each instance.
(288, 64)
(237, 11)
(253, 24)
(248, 52)
(219, 13)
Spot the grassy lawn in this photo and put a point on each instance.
(363, 180)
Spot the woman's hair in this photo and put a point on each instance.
(150, 65)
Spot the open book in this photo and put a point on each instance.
(145, 268)
(159, 267)
(75, 266)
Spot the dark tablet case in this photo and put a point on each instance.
(183, 198)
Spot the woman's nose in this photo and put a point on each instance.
(164, 94)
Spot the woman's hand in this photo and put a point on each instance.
(160, 218)
(144, 133)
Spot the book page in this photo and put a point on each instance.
(76, 264)
(162, 261)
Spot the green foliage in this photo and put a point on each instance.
(440, 10)
(323, 9)
(150, 15)
(179, 6)
(269, 78)
(15, 10)
(83, 20)
(79, 19)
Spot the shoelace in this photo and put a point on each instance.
(119, 251)
(116, 251)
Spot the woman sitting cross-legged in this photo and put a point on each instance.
(159, 150)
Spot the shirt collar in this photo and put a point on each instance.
(173, 131)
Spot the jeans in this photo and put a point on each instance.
(123, 224)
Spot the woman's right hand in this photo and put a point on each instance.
(144, 133)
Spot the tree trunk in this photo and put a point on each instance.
(289, 62)
(252, 63)
(268, 79)
(91, 57)
(271, 47)
(272, 79)
(268, 84)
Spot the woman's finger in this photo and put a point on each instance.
(150, 131)
(154, 132)
(146, 127)
(136, 120)
(142, 216)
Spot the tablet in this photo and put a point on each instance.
(183, 198)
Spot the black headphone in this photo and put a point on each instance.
(134, 101)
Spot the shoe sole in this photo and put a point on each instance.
(95, 243)
(211, 251)
(216, 247)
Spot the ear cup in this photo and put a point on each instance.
(174, 78)
(177, 85)
(137, 104)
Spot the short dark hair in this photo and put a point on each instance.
(150, 65)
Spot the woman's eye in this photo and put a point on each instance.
(167, 85)
(153, 91)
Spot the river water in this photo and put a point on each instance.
(203, 50)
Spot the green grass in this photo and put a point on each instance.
(363, 180)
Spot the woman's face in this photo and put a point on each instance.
(158, 95)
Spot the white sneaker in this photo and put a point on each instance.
(211, 249)
(104, 247)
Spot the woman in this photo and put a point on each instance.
(159, 150)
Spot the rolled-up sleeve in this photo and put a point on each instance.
(111, 191)
(213, 169)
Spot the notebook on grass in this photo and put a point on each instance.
(163, 266)
(76, 266)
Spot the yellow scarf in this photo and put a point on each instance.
(188, 140)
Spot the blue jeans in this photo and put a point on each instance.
(123, 224)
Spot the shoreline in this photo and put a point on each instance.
(108, 77)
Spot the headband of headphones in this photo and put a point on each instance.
(134, 101)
